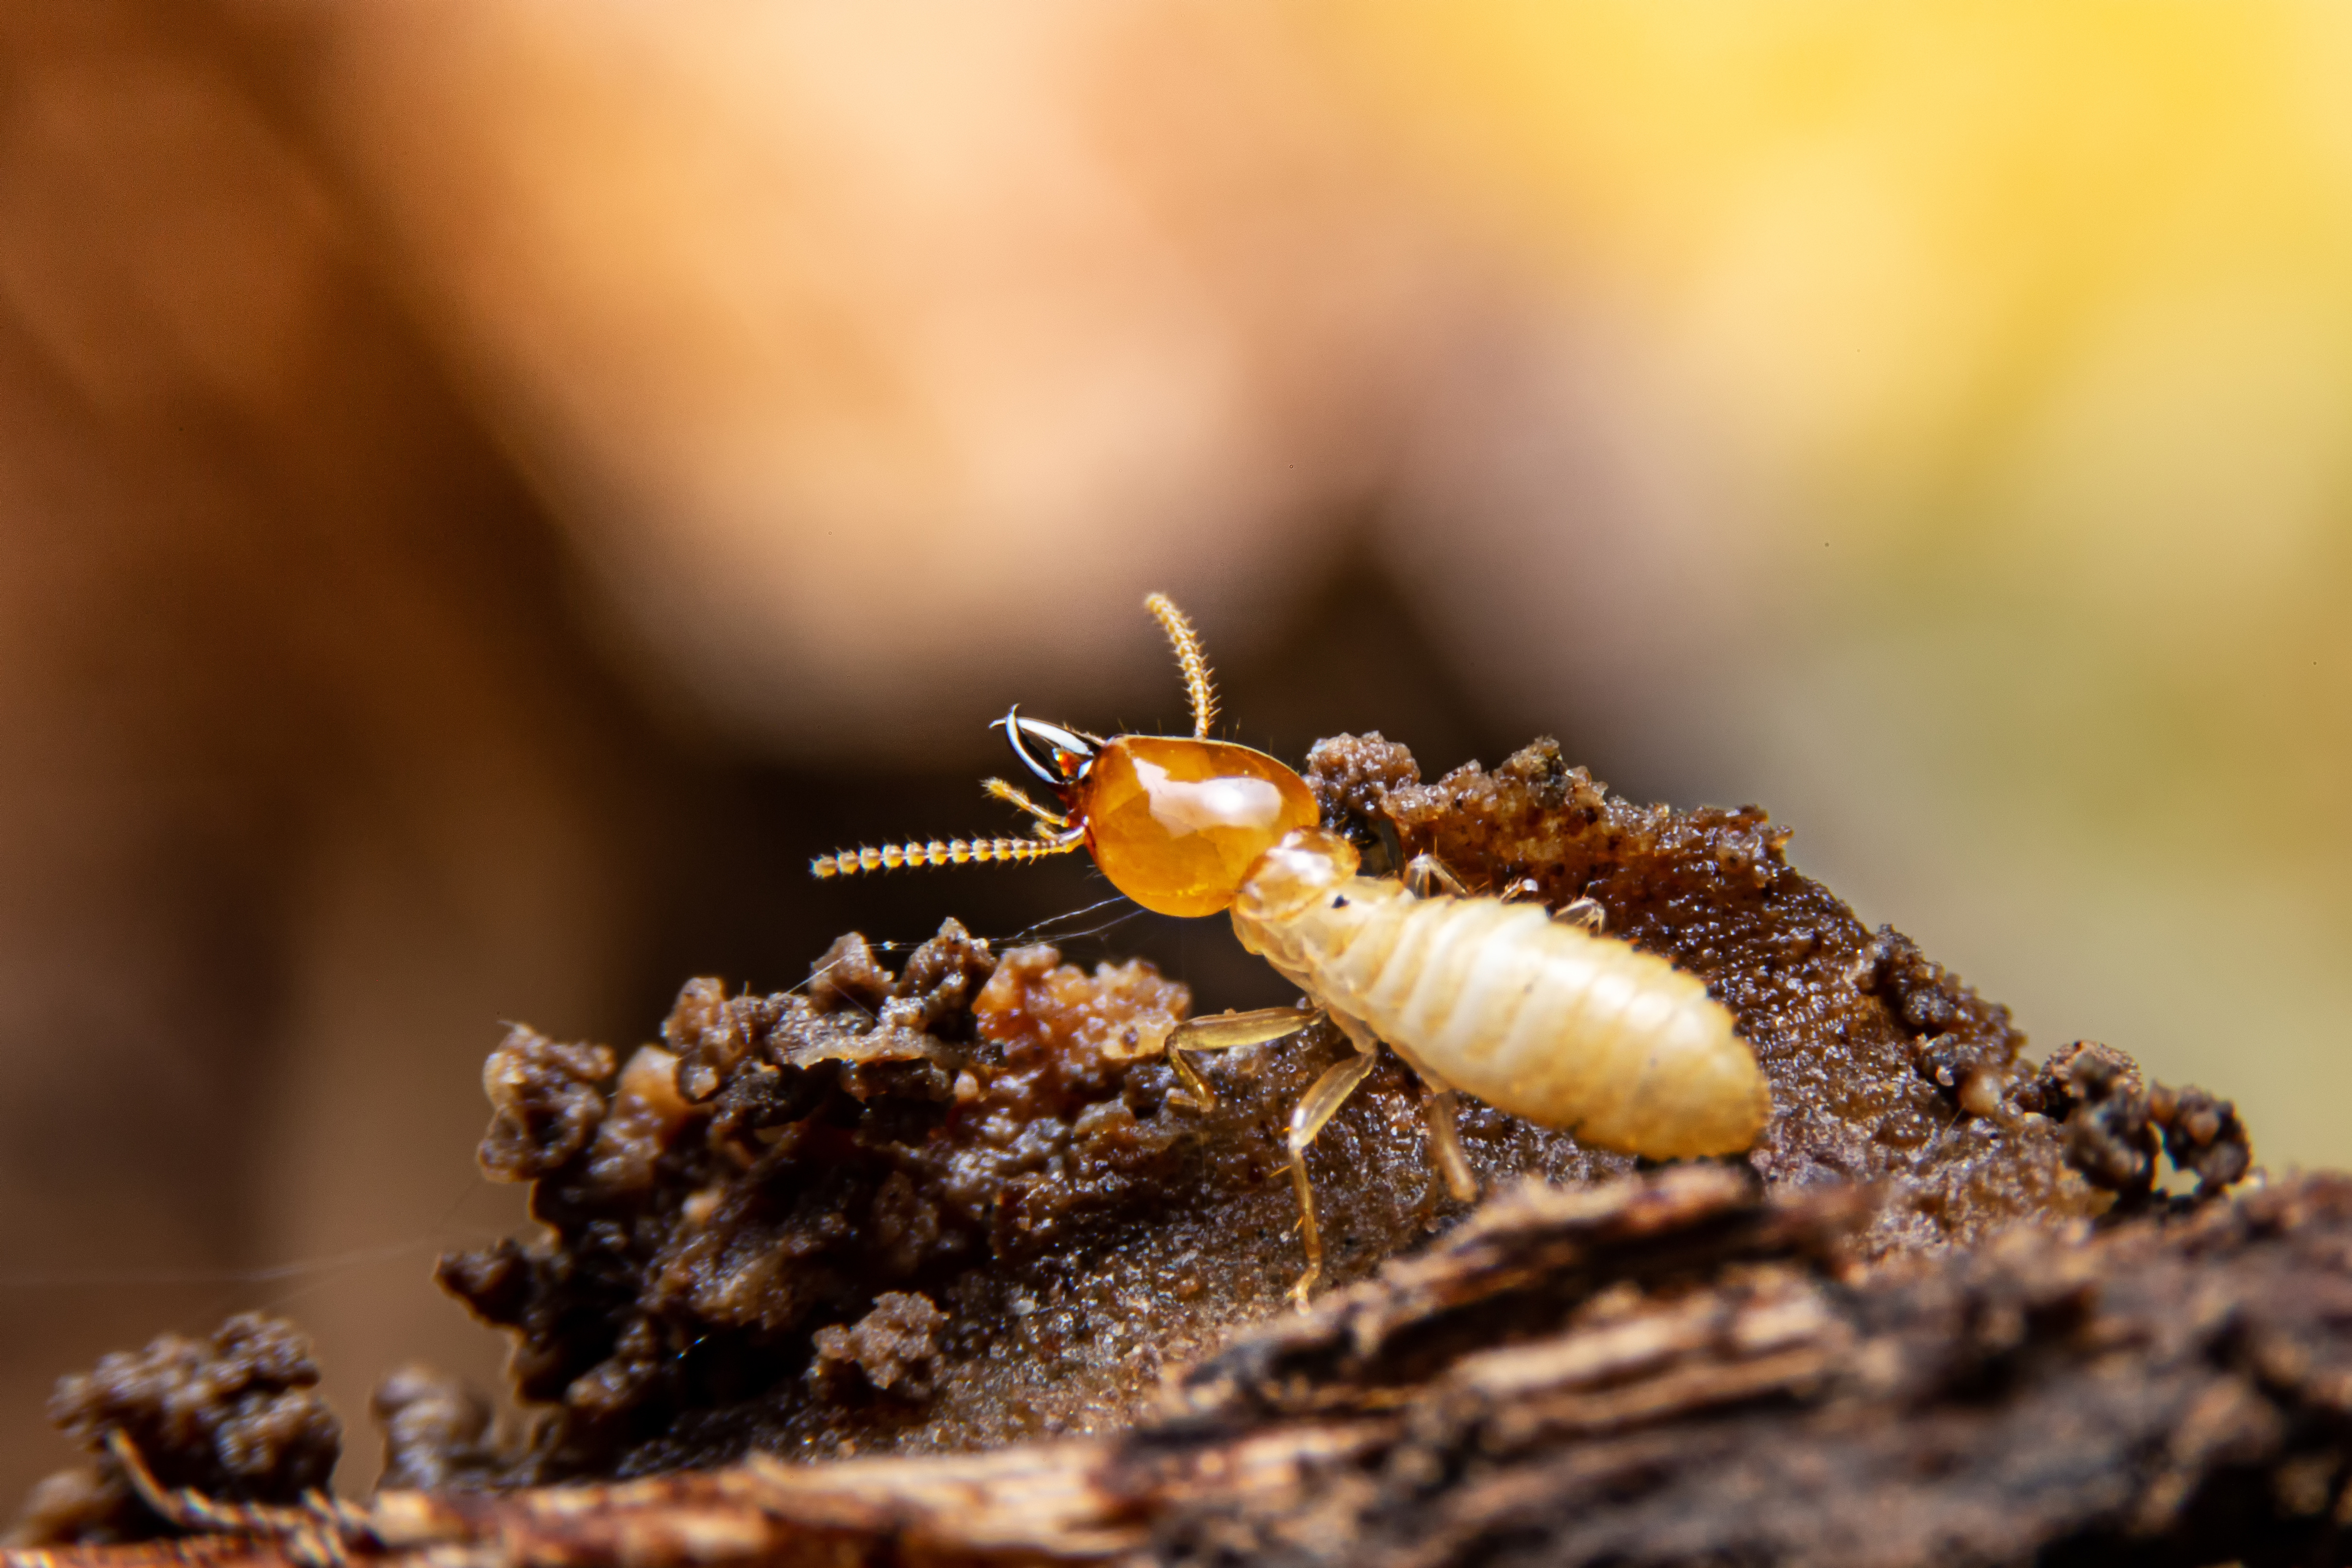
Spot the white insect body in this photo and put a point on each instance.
(1534, 1016)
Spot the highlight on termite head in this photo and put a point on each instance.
(1173, 821)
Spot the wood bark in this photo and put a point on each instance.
(1673, 1369)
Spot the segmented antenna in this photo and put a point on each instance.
(942, 851)
(1195, 663)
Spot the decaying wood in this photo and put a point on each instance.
(1674, 1369)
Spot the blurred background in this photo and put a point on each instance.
(487, 488)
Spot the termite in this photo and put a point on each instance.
(1539, 1016)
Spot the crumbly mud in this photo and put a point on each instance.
(236, 1417)
(966, 1202)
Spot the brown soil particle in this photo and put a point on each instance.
(236, 1417)
(436, 1432)
(2115, 1123)
(891, 1345)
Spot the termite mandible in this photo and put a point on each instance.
(1539, 1016)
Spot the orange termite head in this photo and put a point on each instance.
(1173, 822)
(1176, 823)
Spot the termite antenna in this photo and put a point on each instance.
(1194, 663)
(942, 851)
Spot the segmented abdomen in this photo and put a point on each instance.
(1536, 1018)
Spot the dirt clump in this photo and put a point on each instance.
(2115, 1123)
(437, 1433)
(891, 1346)
(236, 1416)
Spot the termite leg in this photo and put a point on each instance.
(1526, 887)
(1197, 1087)
(1425, 872)
(1445, 1146)
(1360, 1033)
(1330, 1092)
(1444, 1140)
(998, 789)
(1584, 912)
(1226, 1031)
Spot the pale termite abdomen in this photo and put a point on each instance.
(1536, 1018)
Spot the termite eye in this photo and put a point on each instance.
(1174, 823)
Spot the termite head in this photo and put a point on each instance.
(1307, 866)
(1175, 822)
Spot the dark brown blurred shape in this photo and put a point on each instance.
(237, 1417)
(318, 770)
(308, 776)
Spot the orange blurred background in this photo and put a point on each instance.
(488, 489)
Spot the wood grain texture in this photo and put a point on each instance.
(1673, 1369)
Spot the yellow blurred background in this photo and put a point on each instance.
(488, 488)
